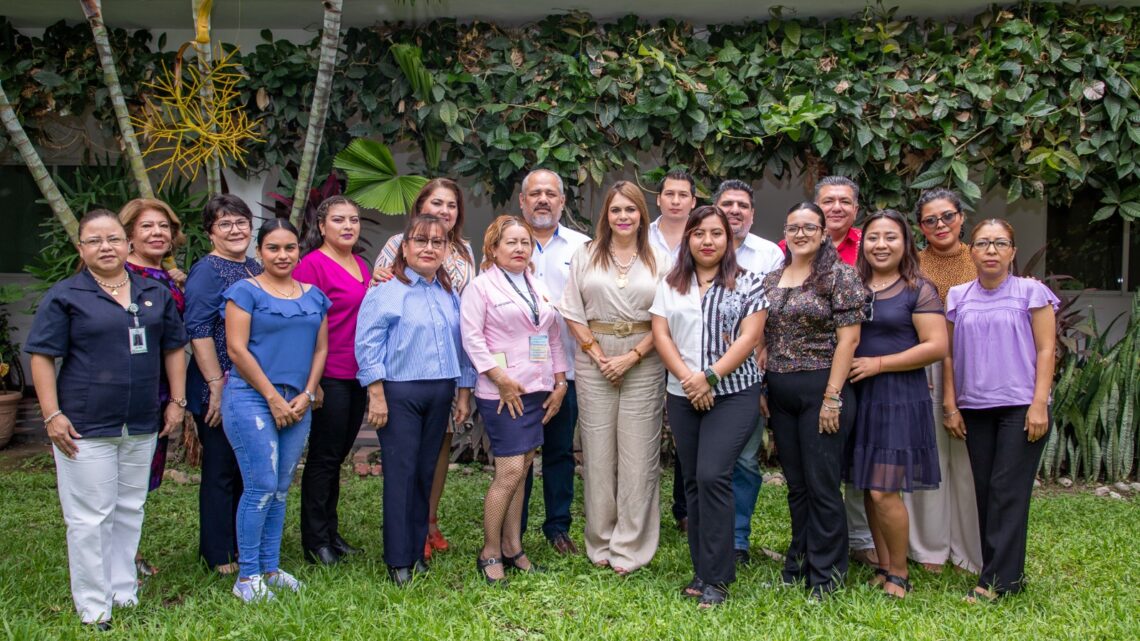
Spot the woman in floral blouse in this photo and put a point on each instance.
(816, 307)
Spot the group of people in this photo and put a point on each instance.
(906, 391)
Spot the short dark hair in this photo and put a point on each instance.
(931, 195)
(96, 214)
(733, 184)
(223, 204)
(679, 174)
(836, 181)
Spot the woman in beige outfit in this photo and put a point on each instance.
(620, 381)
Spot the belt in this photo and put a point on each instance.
(621, 329)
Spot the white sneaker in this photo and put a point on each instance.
(253, 590)
(282, 579)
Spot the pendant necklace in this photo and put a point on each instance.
(292, 289)
(114, 287)
(623, 270)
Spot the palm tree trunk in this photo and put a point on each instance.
(35, 165)
(94, 11)
(202, 45)
(330, 43)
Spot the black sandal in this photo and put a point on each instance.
(512, 562)
(694, 589)
(879, 579)
(902, 582)
(712, 595)
(483, 564)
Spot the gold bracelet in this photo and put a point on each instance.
(587, 345)
(638, 352)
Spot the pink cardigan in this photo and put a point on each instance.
(495, 320)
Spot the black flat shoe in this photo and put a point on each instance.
(694, 589)
(712, 595)
(897, 581)
(482, 564)
(420, 567)
(344, 548)
(323, 555)
(400, 576)
(512, 562)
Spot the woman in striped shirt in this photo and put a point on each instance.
(708, 318)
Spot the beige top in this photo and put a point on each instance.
(592, 292)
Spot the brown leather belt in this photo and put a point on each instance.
(621, 329)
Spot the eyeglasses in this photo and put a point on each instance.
(794, 230)
(226, 226)
(946, 217)
(113, 241)
(869, 308)
(983, 244)
(421, 242)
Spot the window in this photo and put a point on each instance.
(1093, 253)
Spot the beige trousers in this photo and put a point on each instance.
(620, 433)
(944, 522)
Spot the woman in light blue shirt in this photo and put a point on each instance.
(411, 359)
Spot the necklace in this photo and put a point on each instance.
(876, 287)
(114, 287)
(623, 270)
(292, 288)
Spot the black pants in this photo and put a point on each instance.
(218, 496)
(1004, 463)
(333, 432)
(813, 465)
(708, 444)
(680, 506)
(409, 449)
(557, 468)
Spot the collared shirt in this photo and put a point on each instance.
(704, 327)
(759, 256)
(848, 248)
(552, 266)
(658, 241)
(102, 386)
(410, 332)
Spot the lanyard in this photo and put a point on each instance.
(532, 302)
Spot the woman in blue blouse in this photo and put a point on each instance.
(277, 337)
(410, 357)
(116, 334)
(228, 223)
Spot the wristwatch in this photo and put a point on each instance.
(711, 377)
(180, 402)
(312, 396)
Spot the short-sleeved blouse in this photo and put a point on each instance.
(460, 270)
(208, 278)
(890, 330)
(346, 292)
(282, 331)
(995, 357)
(704, 327)
(592, 292)
(103, 386)
(801, 325)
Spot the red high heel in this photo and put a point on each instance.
(435, 539)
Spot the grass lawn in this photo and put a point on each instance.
(1084, 567)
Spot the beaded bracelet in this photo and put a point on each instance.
(49, 417)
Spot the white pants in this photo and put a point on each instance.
(858, 531)
(102, 492)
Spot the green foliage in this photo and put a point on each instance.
(1096, 407)
(1036, 100)
(374, 180)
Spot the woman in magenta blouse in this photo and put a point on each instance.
(996, 397)
(332, 265)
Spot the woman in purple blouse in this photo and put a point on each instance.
(332, 265)
(1002, 336)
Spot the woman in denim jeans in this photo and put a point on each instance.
(277, 337)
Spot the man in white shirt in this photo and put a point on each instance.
(542, 200)
(759, 256)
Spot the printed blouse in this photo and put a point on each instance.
(801, 325)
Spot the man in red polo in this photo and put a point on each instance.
(838, 197)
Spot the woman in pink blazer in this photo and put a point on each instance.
(511, 332)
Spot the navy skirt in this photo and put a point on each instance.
(513, 436)
(894, 446)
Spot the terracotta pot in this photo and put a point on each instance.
(9, 403)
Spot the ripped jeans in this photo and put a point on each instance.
(267, 458)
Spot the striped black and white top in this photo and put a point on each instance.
(704, 327)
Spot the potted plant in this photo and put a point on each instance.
(11, 373)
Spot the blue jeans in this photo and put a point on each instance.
(746, 481)
(267, 457)
(557, 468)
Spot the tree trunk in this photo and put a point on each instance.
(330, 43)
(94, 11)
(203, 46)
(35, 165)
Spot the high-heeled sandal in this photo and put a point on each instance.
(512, 562)
(482, 564)
(436, 539)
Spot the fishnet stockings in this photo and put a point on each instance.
(502, 510)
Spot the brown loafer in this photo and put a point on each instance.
(563, 543)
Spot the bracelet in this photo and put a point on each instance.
(951, 414)
(638, 352)
(837, 398)
(216, 378)
(587, 345)
(49, 417)
(832, 409)
(561, 384)
(832, 387)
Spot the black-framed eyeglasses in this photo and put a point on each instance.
(869, 308)
(983, 244)
(946, 217)
(795, 230)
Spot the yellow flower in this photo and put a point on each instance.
(3, 370)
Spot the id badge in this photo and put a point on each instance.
(138, 339)
(539, 348)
